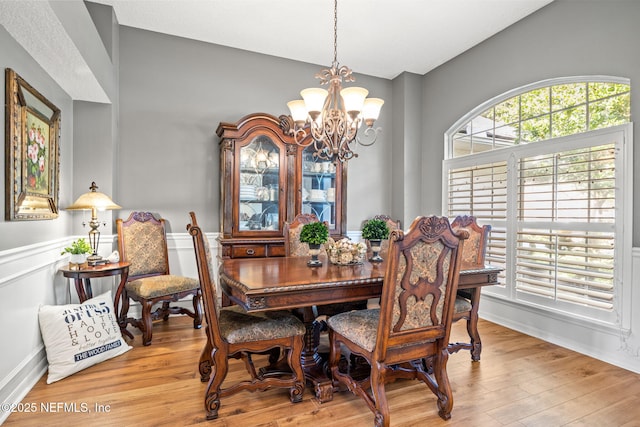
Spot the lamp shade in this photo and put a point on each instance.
(314, 99)
(371, 109)
(298, 110)
(353, 98)
(93, 200)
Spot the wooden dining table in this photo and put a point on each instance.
(277, 283)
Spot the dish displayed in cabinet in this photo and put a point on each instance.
(266, 180)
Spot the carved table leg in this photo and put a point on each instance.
(472, 325)
(80, 289)
(124, 310)
(312, 363)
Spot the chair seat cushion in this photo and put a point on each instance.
(157, 286)
(359, 326)
(462, 305)
(236, 325)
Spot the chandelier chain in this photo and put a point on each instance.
(332, 117)
(335, 32)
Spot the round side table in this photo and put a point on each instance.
(82, 279)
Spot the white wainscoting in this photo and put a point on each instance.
(618, 346)
(29, 278)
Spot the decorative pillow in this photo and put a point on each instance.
(77, 336)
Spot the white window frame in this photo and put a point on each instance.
(620, 316)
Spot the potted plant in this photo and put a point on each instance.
(314, 234)
(375, 230)
(78, 250)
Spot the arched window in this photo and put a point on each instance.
(546, 166)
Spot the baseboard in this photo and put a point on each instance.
(21, 380)
(30, 277)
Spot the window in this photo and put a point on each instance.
(542, 113)
(547, 168)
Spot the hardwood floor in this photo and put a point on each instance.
(520, 381)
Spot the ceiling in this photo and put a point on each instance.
(381, 38)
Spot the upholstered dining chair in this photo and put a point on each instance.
(142, 242)
(291, 230)
(393, 224)
(235, 333)
(413, 322)
(467, 301)
(293, 247)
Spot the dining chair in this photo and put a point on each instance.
(235, 333)
(468, 300)
(142, 241)
(293, 247)
(393, 224)
(413, 321)
(291, 230)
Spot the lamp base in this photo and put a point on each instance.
(94, 260)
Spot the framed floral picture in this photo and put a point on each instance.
(32, 152)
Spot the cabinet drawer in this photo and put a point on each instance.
(248, 251)
(276, 250)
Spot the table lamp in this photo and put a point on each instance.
(94, 201)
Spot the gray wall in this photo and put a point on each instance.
(173, 94)
(407, 152)
(96, 125)
(159, 152)
(565, 38)
(14, 234)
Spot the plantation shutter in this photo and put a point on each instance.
(481, 191)
(565, 237)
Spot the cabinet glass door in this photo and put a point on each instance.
(259, 185)
(319, 187)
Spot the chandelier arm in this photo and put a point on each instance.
(370, 134)
(299, 135)
(346, 152)
(321, 151)
(334, 130)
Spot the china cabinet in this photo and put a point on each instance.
(266, 180)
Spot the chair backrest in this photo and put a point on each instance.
(292, 244)
(207, 281)
(419, 289)
(393, 224)
(475, 248)
(142, 241)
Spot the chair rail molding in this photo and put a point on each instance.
(182, 262)
(29, 278)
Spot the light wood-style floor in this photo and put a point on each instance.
(520, 381)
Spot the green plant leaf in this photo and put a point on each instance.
(315, 233)
(375, 229)
(80, 246)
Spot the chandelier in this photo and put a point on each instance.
(333, 117)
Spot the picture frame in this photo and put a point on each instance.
(32, 152)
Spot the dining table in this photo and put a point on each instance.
(288, 283)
